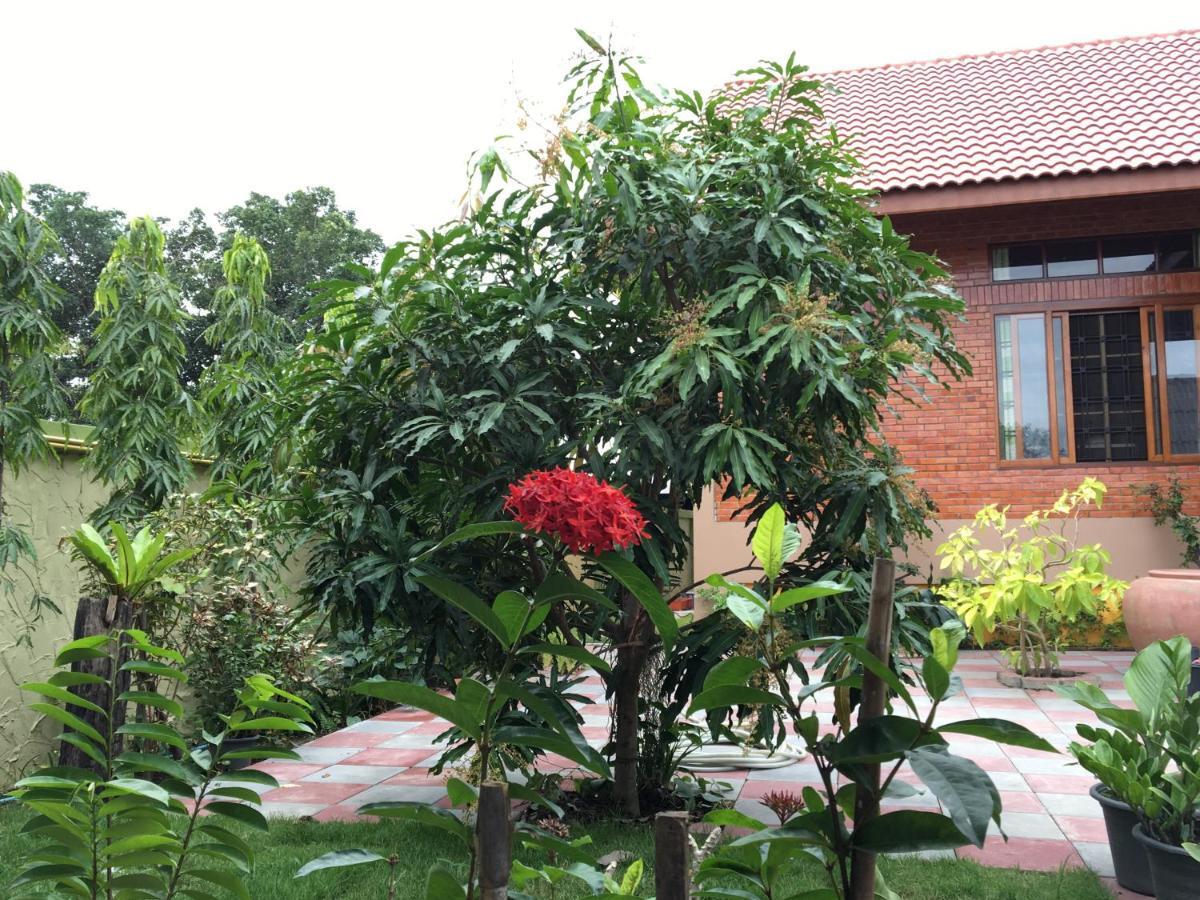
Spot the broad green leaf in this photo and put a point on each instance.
(554, 742)
(63, 696)
(338, 859)
(908, 831)
(965, 791)
(571, 652)
(88, 541)
(1001, 731)
(727, 695)
(767, 541)
(164, 734)
(468, 602)
(441, 885)
(789, 598)
(152, 762)
(873, 665)
(734, 819)
(1192, 850)
(460, 793)
(560, 585)
(1158, 676)
(155, 699)
(270, 723)
(469, 532)
(936, 678)
(230, 881)
(422, 698)
(240, 812)
(138, 786)
(70, 720)
(514, 610)
(881, 739)
(635, 581)
(945, 640)
(734, 670)
(85, 648)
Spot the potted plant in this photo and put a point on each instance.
(1039, 578)
(1129, 758)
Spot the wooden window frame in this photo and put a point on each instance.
(1099, 241)
(1156, 451)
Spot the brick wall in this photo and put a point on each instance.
(952, 442)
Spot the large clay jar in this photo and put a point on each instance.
(1164, 603)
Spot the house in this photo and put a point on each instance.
(1062, 187)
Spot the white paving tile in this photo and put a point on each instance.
(343, 774)
(1080, 805)
(1097, 857)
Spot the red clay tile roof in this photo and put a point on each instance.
(1102, 106)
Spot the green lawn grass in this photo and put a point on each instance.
(290, 844)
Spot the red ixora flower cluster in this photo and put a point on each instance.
(585, 514)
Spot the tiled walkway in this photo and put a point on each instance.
(1048, 816)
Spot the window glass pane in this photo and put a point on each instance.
(1060, 388)
(1005, 393)
(1033, 389)
(1181, 364)
(1017, 262)
(1134, 254)
(1067, 259)
(1107, 387)
(1177, 251)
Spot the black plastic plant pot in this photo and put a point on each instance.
(1175, 874)
(1130, 863)
(230, 744)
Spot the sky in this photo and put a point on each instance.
(158, 107)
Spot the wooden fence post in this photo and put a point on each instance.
(672, 857)
(874, 700)
(493, 841)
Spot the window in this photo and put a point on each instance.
(1084, 257)
(1099, 385)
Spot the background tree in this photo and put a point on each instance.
(86, 237)
(192, 251)
(135, 397)
(249, 341)
(691, 293)
(29, 338)
(308, 238)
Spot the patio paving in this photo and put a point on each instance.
(1048, 817)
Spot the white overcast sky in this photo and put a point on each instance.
(158, 107)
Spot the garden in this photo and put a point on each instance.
(382, 599)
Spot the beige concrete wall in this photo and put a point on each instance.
(1136, 544)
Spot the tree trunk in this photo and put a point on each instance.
(99, 615)
(631, 662)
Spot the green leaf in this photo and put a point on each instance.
(240, 812)
(421, 814)
(1158, 676)
(879, 740)
(230, 881)
(155, 699)
(945, 640)
(164, 734)
(569, 651)
(441, 885)
(142, 762)
(338, 859)
(270, 723)
(512, 608)
(554, 742)
(965, 791)
(422, 698)
(84, 648)
(468, 602)
(727, 695)
(1192, 850)
(734, 819)
(460, 793)
(789, 598)
(63, 696)
(560, 585)
(907, 831)
(1001, 731)
(767, 541)
(735, 670)
(936, 678)
(469, 532)
(71, 721)
(139, 787)
(635, 581)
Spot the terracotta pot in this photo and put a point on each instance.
(1164, 603)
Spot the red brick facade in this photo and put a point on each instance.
(952, 443)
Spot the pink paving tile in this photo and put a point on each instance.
(380, 757)
(433, 728)
(417, 776)
(992, 763)
(404, 715)
(755, 790)
(312, 792)
(593, 709)
(1024, 853)
(1029, 753)
(1021, 801)
(594, 732)
(362, 739)
(288, 771)
(1060, 784)
(1078, 828)
(1025, 702)
(340, 812)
